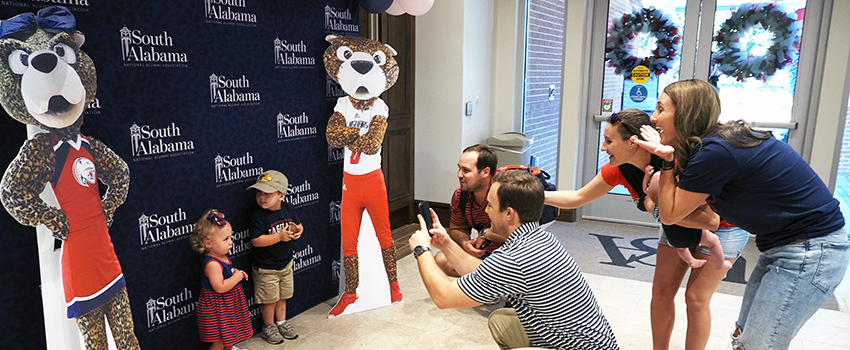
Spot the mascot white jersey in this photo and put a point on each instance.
(359, 163)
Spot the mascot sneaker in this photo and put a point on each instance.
(395, 292)
(344, 301)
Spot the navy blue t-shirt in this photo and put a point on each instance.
(768, 190)
(266, 222)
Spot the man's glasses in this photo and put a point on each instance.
(217, 218)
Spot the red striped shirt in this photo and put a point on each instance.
(473, 216)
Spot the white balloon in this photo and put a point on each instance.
(416, 7)
(396, 9)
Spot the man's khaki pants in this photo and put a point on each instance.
(507, 331)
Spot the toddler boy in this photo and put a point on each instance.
(272, 227)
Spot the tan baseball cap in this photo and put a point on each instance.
(271, 181)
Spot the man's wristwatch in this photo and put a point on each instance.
(418, 250)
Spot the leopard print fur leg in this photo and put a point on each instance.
(121, 321)
(352, 273)
(389, 263)
(93, 327)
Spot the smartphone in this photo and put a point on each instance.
(425, 210)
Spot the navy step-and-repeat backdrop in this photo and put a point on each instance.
(199, 98)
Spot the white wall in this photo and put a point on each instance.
(573, 108)
(508, 35)
(454, 58)
(477, 71)
(439, 100)
(832, 104)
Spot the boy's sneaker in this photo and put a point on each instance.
(287, 330)
(272, 335)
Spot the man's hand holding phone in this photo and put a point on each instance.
(436, 235)
(425, 211)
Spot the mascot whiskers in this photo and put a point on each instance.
(48, 82)
(364, 68)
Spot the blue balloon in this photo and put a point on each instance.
(375, 6)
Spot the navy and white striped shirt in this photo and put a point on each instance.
(551, 297)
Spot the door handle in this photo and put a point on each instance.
(757, 124)
(778, 125)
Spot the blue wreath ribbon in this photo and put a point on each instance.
(52, 19)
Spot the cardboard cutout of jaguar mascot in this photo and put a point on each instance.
(47, 81)
(364, 68)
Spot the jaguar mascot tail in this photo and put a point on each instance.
(47, 81)
(364, 68)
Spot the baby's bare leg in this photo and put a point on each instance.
(710, 240)
(688, 258)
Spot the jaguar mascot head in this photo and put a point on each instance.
(364, 68)
(47, 81)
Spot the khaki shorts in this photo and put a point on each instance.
(273, 285)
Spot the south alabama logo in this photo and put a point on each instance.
(93, 107)
(164, 310)
(229, 12)
(226, 92)
(301, 195)
(291, 128)
(292, 55)
(156, 230)
(149, 142)
(230, 170)
(333, 90)
(241, 243)
(334, 210)
(305, 259)
(84, 172)
(336, 21)
(150, 50)
(335, 155)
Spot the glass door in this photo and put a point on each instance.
(750, 51)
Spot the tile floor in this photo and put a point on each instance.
(417, 323)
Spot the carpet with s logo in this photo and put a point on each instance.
(628, 251)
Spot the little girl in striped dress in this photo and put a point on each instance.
(222, 311)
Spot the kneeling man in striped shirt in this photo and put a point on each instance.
(553, 306)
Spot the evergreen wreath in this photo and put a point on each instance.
(622, 46)
(735, 60)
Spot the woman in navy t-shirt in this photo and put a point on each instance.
(763, 186)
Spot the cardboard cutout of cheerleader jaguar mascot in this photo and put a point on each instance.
(47, 81)
(364, 68)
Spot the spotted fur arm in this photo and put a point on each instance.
(23, 183)
(338, 134)
(113, 172)
(370, 142)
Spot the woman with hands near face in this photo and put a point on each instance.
(762, 185)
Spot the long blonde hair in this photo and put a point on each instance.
(697, 109)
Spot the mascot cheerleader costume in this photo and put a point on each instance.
(47, 82)
(364, 68)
